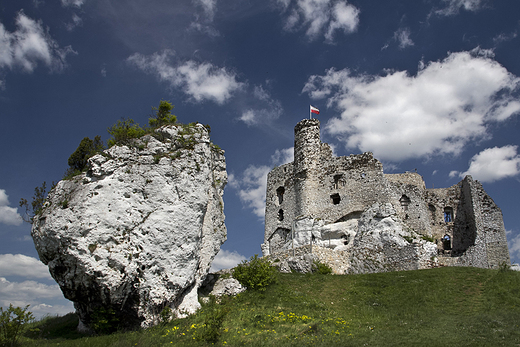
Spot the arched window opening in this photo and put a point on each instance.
(335, 199)
(339, 181)
(446, 242)
(280, 215)
(448, 214)
(405, 201)
(279, 193)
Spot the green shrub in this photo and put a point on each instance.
(428, 238)
(256, 274)
(504, 267)
(104, 321)
(79, 159)
(166, 315)
(38, 200)
(12, 323)
(162, 115)
(213, 316)
(124, 131)
(321, 268)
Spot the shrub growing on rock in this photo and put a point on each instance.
(79, 159)
(162, 115)
(256, 274)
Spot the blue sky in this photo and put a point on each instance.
(431, 85)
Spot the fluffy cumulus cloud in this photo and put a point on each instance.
(436, 112)
(29, 46)
(8, 215)
(252, 184)
(320, 17)
(226, 260)
(22, 265)
(44, 299)
(201, 81)
(452, 7)
(493, 164)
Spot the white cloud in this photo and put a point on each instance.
(30, 45)
(320, 17)
(208, 6)
(452, 7)
(513, 243)
(253, 182)
(43, 299)
(226, 260)
(402, 36)
(8, 215)
(77, 3)
(438, 111)
(203, 23)
(76, 22)
(266, 108)
(22, 265)
(504, 37)
(493, 164)
(201, 81)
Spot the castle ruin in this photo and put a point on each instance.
(352, 215)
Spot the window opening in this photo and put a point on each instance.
(335, 199)
(338, 181)
(405, 201)
(446, 242)
(279, 192)
(280, 215)
(448, 214)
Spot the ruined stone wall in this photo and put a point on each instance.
(326, 199)
(280, 207)
(408, 191)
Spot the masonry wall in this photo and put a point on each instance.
(339, 189)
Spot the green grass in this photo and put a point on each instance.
(437, 307)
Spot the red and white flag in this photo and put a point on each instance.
(314, 110)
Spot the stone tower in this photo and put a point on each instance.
(307, 152)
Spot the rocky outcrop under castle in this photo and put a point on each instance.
(137, 233)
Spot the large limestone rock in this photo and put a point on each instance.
(138, 231)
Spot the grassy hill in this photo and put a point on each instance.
(437, 307)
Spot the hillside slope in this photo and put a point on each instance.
(437, 307)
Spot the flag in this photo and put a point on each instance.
(314, 110)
